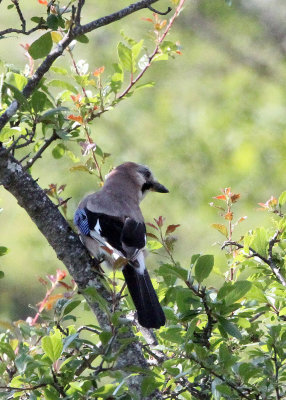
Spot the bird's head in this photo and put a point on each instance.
(140, 176)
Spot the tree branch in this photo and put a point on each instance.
(269, 261)
(62, 45)
(71, 252)
(41, 150)
(27, 33)
(160, 12)
(19, 11)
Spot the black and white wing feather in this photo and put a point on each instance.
(126, 237)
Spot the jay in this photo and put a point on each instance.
(111, 225)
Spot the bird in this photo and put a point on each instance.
(111, 226)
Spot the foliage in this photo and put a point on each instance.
(222, 341)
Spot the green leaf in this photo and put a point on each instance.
(53, 346)
(203, 267)
(16, 80)
(80, 167)
(70, 306)
(58, 70)
(51, 393)
(82, 39)
(149, 384)
(174, 270)
(153, 245)
(282, 199)
(145, 85)
(2, 275)
(247, 242)
(136, 49)
(237, 291)
(59, 150)
(3, 250)
(47, 116)
(38, 101)
(8, 132)
(260, 242)
(232, 293)
(194, 258)
(38, 20)
(161, 57)
(128, 39)
(173, 334)
(53, 22)
(63, 85)
(18, 96)
(105, 337)
(257, 293)
(125, 56)
(104, 391)
(72, 156)
(41, 47)
(247, 371)
(5, 348)
(229, 327)
(224, 389)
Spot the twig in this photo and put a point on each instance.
(57, 385)
(40, 25)
(160, 12)
(222, 378)
(269, 261)
(88, 328)
(22, 389)
(41, 150)
(277, 367)
(29, 138)
(78, 11)
(155, 52)
(22, 19)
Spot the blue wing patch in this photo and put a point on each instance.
(81, 221)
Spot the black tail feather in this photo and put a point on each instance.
(150, 313)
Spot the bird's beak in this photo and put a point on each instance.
(157, 187)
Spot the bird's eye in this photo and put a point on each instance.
(147, 174)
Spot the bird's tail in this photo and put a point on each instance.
(150, 313)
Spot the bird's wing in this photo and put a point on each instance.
(125, 236)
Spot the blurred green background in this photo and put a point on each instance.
(216, 118)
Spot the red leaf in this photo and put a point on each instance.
(61, 274)
(151, 235)
(76, 98)
(147, 19)
(76, 118)
(159, 221)
(228, 216)
(171, 228)
(98, 71)
(234, 197)
(152, 225)
(262, 205)
(220, 197)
